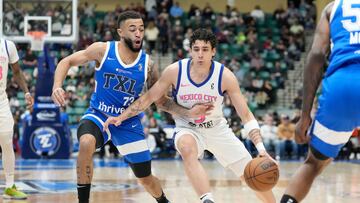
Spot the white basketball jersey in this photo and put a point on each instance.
(4, 66)
(188, 93)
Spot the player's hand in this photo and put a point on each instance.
(58, 96)
(201, 109)
(29, 100)
(301, 128)
(112, 121)
(264, 153)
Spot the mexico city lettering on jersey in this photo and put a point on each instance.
(198, 97)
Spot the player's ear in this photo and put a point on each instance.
(119, 31)
(213, 52)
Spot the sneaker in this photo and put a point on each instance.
(13, 193)
(208, 201)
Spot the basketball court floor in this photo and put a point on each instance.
(55, 181)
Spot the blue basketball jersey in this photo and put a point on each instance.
(344, 34)
(117, 85)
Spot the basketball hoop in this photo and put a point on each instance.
(37, 40)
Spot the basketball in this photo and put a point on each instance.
(261, 174)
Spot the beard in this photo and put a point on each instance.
(130, 45)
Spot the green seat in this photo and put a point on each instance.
(264, 75)
(269, 65)
(81, 103)
(20, 95)
(79, 110)
(22, 102)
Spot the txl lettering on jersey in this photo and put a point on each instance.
(121, 83)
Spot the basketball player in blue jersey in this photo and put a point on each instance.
(338, 31)
(122, 70)
(196, 80)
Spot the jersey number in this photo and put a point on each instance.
(349, 11)
(128, 100)
(1, 72)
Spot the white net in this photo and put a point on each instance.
(37, 40)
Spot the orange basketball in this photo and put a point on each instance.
(261, 174)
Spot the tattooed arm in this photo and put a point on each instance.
(165, 103)
(156, 92)
(94, 52)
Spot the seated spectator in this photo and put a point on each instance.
(269, 134)
(286, 134)
(257, 13)
(176, 11)
(30, 60)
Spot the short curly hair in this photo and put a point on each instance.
(204, 35)
(127, 15)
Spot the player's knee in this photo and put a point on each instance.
(316, 164)
(187, 148)
(141, 170)
(87, 142)
(147, 181)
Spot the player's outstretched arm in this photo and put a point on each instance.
(313, 73)
(166, 103)
(93, 52)
(153, 94)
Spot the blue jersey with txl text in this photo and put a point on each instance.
(117, 85)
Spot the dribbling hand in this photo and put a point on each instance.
(264, 153)
(58, 96)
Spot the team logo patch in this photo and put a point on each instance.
(45, 140)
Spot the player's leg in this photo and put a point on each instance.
(8, 161)
(129, 140)
(337, 116)
(8, 156)
(232, 154)
(304, 176)
(189, 150)
(90, 137)
(151, 183)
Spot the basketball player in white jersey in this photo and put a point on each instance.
(202, 80)
(9, 55)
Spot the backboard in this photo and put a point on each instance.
(57, 18)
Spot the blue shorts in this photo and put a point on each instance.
(128, 138)
(338, 112)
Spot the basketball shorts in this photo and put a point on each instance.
(128, 138)
(220, 141)
(6, 118)
(338, 113)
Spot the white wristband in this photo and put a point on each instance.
(260, 147)
(251, 125)
(27, 93)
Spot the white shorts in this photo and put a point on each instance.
(6, 118)
(220, 141)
